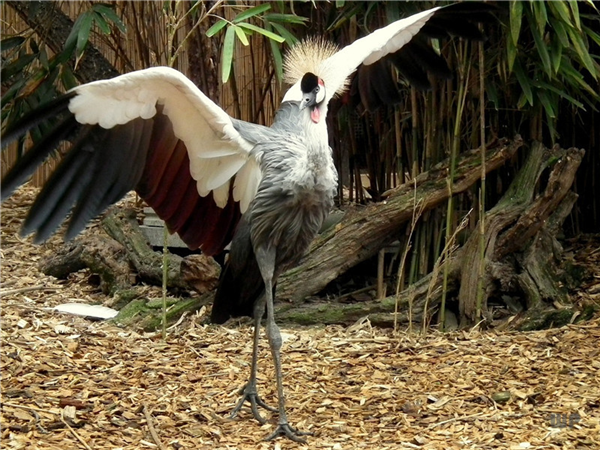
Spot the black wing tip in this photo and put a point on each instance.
(35, 117)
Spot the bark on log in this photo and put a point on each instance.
(128, 256)
(365, 230)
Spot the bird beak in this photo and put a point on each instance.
(309, 99)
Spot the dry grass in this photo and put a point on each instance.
(68, 383)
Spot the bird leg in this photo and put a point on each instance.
(249, 391)
(266, 263)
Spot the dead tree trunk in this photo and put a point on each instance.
(365, 230)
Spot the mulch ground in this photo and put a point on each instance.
(70, 383)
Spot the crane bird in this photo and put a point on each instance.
(214, 179)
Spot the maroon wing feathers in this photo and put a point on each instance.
(168, 188)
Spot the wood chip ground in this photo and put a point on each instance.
(68, 383)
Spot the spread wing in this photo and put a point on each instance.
(402, 44)
(153, 131)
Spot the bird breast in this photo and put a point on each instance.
(294, 197)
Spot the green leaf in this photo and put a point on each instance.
(66, 76)
(251, 12)
(11, 42)
(538, 38)
(561, 32)
(34, 46)
(339, 4)
(262, 31)
(216, 28)
(241, 34)
(575, 11)
(550, 120)
(83, 34)
(574, 78)
(524, 81)
(286, 18)
(556, 50)
(16, 66)
(547, 104)
(541, 15)
(511, 53)
(101, 23)
(559, 9)
(285, 33)
(560, 92)
(592, 34)
(43, 58)
(277, 59)
(227, 55)
(516, 17)
(110, 16)
(582, 51)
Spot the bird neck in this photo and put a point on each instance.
(316, 133)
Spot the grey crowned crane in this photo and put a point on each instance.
(214, 179)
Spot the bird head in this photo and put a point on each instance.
(313, 94)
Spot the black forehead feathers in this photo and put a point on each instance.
(309, 82)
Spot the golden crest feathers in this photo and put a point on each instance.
(308, 56)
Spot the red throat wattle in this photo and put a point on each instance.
(315, 114)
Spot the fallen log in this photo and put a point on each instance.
(364, 230)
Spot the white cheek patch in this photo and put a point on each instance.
(321, 93)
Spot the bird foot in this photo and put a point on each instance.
(250, 394)
(285, 429)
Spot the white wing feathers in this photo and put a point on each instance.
(336, 69)
(369, 49)
(216, 150)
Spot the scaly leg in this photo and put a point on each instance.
(266, 263)
(249, 391)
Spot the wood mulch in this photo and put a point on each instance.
(70, 383)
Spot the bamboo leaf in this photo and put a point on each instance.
(262, 31)
(101, 23)
(541, 15)
(68, 79)
(547, 104)
(11, 42)
(582, 51)
(511, 53)
(110, 16)
(16, 66)
(574, 77)
(561, 10)
(83, 34)
(542, 49)
(575, 11)
(241, 34)
(550, 120)
(252, 12)
(216, 28)
(561, 32)
(592, 34)
(227, 55)
(516, 17)
(524, 81)
(286, 18)
(285, 33)
(277, 59)
(556, 50)
(560, 92)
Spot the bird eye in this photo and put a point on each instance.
(317, 89)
